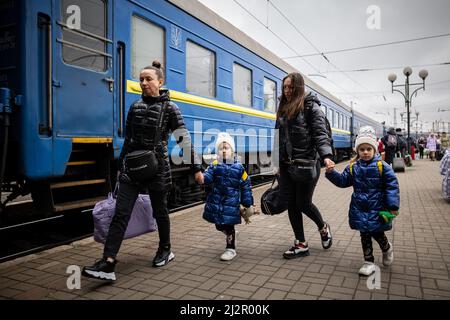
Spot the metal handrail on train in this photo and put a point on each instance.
(78, 46)
(83, 32)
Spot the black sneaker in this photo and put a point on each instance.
(163, 256)
(325, 235)
(300, 249)
(102, 270)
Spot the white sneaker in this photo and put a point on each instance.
(367, 269)
(228, 255)
(388, 256)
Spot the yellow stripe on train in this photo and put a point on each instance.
(133, 87)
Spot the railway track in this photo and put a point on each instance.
(21, 238)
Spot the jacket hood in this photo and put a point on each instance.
(311, 98)
(164, 96)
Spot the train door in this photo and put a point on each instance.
(83, 83)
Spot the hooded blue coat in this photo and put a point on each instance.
(230, 188)
(373, 192)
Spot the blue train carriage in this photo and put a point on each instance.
(76, 63)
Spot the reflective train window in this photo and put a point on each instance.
(242, 85)
(84, 33)
(330, 115)
(200, 70)
(270, 95)
(148, 45)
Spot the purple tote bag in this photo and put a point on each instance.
(141, 220)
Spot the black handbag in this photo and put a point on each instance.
(142, 165)
(299, 170)
(272, 201)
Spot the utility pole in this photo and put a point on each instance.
(395, 117)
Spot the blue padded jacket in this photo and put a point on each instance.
(373, 192)
(230, 188)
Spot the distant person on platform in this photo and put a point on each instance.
(445, 142)
(431, 146)
(422, 144)
(390, 145)
(402, 145)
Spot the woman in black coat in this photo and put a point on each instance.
(299, 116)
(141, 128)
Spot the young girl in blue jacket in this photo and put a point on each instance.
(375, 189)
(230, 188)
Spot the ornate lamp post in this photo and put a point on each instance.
(407, 72)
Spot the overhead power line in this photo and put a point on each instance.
(390, 68)
(284, 42)
(320, 53)
(368, 46)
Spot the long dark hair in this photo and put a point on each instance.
(290, 109)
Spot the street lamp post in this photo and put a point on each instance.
(407, 72)
(417, 124)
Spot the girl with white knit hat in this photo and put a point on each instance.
(231, 188)
(375, 192)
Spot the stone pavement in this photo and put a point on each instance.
(420, 271)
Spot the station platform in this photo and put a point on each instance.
(420, 237)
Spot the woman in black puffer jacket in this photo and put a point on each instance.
(141, 126)
(309, 139)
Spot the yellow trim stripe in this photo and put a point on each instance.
(91, 140)
(340, 131)
(133, 87)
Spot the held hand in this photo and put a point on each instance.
(329, 164)
(276, 170)
(199, 177)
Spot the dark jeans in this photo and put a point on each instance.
(299, 197)
(389, 154)
(126, 198)
(421, 152)
(366, 241)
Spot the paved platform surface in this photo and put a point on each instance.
(420, 271)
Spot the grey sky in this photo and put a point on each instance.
(327, 25)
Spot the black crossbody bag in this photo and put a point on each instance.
(299, 170)
(142, 165)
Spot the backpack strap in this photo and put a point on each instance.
(380, 167)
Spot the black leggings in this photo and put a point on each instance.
(228, 230)
(299, 197)
(128, 193)
(366, 241)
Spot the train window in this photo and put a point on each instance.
(270, 95)
(341, 121)
(242, 85)
(200, 70)
(148, 45)
(330, 115)
(87, 49)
